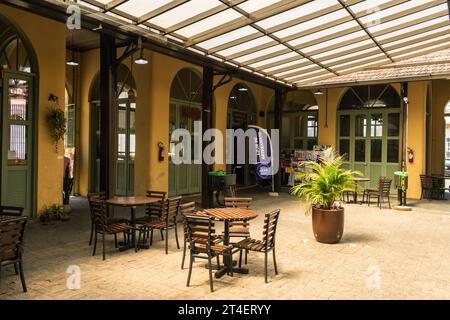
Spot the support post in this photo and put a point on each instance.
(107, 114)
(277, 125)
(207, 116)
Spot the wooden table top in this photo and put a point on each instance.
(361, 179)
(231, 214)
(131, 201)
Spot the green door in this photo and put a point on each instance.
(370, 139)
(17, 140)
(184, 178)
(126, 146)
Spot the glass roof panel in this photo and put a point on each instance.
(296, 13)
(332, 42)
(357, 53)
(366, 65)
(306, 74)
(324, 33)
(409, 18)
(367, 6)
(412, 53)
(353, 46)
(313, 23)
(430, 34)
(413, 28)
(209, 23)
(382, 56)
(255, 5)
(184, 12)
(285, 65)
(311, 79)
(412, 46)
(310, 66)
(261, 53)
(245, 46)
(138, 8)
(276, 59)
(227, 37)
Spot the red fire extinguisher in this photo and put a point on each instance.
(160, 151)
(410, 155)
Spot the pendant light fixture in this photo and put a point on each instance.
(141, 60)
(72, 62)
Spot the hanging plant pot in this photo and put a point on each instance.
(56, 122)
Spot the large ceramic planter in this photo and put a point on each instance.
(328, 225)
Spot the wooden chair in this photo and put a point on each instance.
(239, 229)
(103, 226)
(202, 245)
(168, 221)
(11, 245)
(438, 187)
(383, 191)
(266, 244)
(426, 185)
(188, 209)
(11, 211)
(91, 197)
(154, 211)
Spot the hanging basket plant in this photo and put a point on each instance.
(56, 122)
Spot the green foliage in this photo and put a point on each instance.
(56, 123)
(325, 182)
(53, 212)
(67, 185)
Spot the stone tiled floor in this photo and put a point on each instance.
(383, 255)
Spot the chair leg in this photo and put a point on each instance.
(274, 261)
(265, 266)
(95, 244)
(231, 266)
(103, 240)
(162, 235)
(218, 262)
(210, 273)
(115, 240)
(389, 202)
(136, 246)
(246, 255)
(92, 233)
(167, 241)
(240, 258)
(176, 237)
(191, 261)
(16, 270)
(184, 255)
(22, 276)
(151, 236)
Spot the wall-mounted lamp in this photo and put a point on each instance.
(141, 60)
(318, 92)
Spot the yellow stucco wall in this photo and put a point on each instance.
(416, 136)
(49, 42)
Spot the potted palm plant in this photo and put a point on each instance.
(321, 187)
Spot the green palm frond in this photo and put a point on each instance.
(325, 181)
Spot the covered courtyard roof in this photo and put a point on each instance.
(296, 42)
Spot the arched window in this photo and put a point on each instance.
(187, 86)
(369, 97)
(241, 107)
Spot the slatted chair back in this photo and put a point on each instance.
(171, 210)
(384, 186)
(200, 231)
(11, 238)
(11, 211)
(437, 182)
(157, 208)
(99, 211)
(95, 196)
(186, 209)
(425, 181)
(270, 227)
(238, 202)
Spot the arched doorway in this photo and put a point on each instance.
(19, 68)
(185, 109)
(369, 130)
(299, 126)
(125, 128)
(241, 113)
